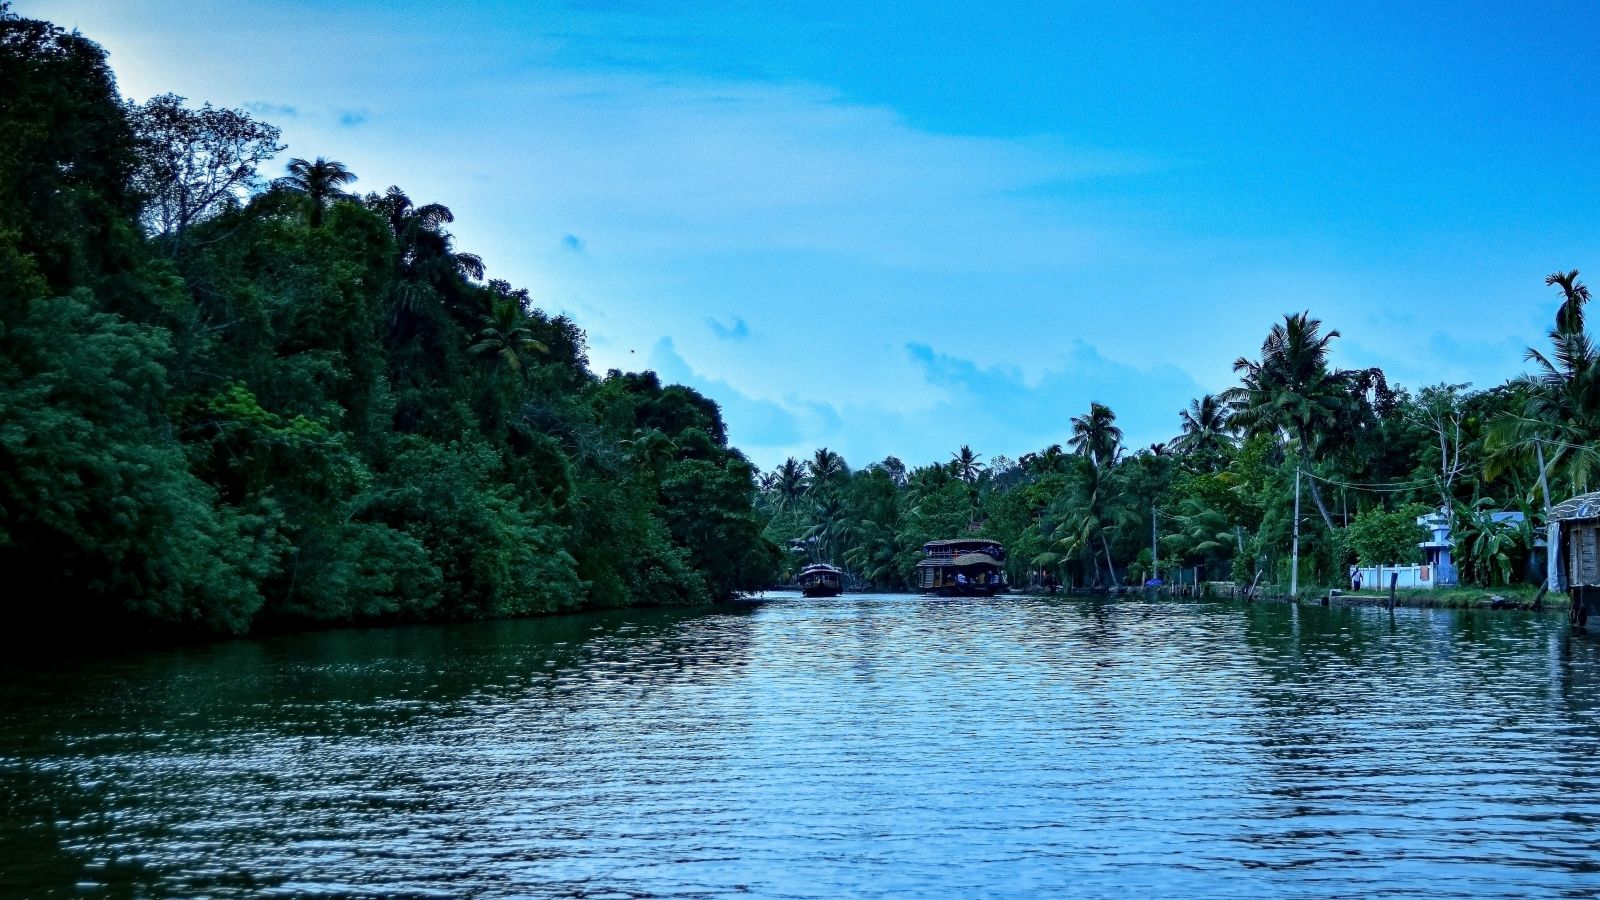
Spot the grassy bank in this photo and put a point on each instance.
(1465, 597)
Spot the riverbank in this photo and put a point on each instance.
(1520, 597)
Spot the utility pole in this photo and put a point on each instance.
(1154, 554)
(1544, 479)
(1294, 567)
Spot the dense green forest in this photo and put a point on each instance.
(231, 401)
(1218, 499)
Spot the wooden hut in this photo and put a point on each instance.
(1575, 553)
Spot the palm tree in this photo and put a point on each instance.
(823, 535)
(1290, 391)
(1569, 318)
(507, 336)
(319, 181)
(426, 252)
(791, 481)
(1202, 531)
(965, 464)
(1559, 424)
(651, 448)
(1205, 427)
(825, 466)
(925, 480)
(1098, 509)
(1050, 459)
(1095, 435)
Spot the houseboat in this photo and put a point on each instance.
(962, 568)
(821, 580)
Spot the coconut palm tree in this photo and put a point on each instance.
(1205, 427)
(507, 336)
(924, 481)
(1202, 531)
(1050, 459)
(825, 466)
(651, 448)
(320, 181)
(790, 482)
(1086, 518)
(426, 251)
(828, 524)
(1095, 435)
(965, 464)
(1558, 426)
(1291, 392)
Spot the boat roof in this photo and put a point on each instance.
(958, 541)
(965, 559)
(821, 567)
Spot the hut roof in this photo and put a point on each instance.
(1583, 506)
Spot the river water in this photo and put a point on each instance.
(861, 746)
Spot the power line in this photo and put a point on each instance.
(1393, 486)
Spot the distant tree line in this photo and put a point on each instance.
(1218, 498)
(229, 401)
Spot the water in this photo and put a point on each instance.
(863, 746)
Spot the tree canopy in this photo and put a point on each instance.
(230, 402)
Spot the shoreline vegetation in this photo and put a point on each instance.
(231, 402)
(239, 395)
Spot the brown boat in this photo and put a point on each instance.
(821, 580)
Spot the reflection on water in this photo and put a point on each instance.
(864, 745)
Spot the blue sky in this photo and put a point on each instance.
(901, 227)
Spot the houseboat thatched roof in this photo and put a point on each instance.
(953, 541)
(965, 559)
(1583, 506)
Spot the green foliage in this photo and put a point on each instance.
(1488, 549)
(300, 406)
(101, 514)
(1380, 538)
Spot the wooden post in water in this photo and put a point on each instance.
(1394, 580)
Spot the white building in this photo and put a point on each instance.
(1436, 549)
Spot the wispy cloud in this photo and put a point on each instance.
(272, 110)
(758, 425)
(997, 409)
(737, 331)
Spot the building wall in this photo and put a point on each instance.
(1376, 578)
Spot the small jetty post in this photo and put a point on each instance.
(1394, 581)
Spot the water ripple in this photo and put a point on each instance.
(865, 746)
